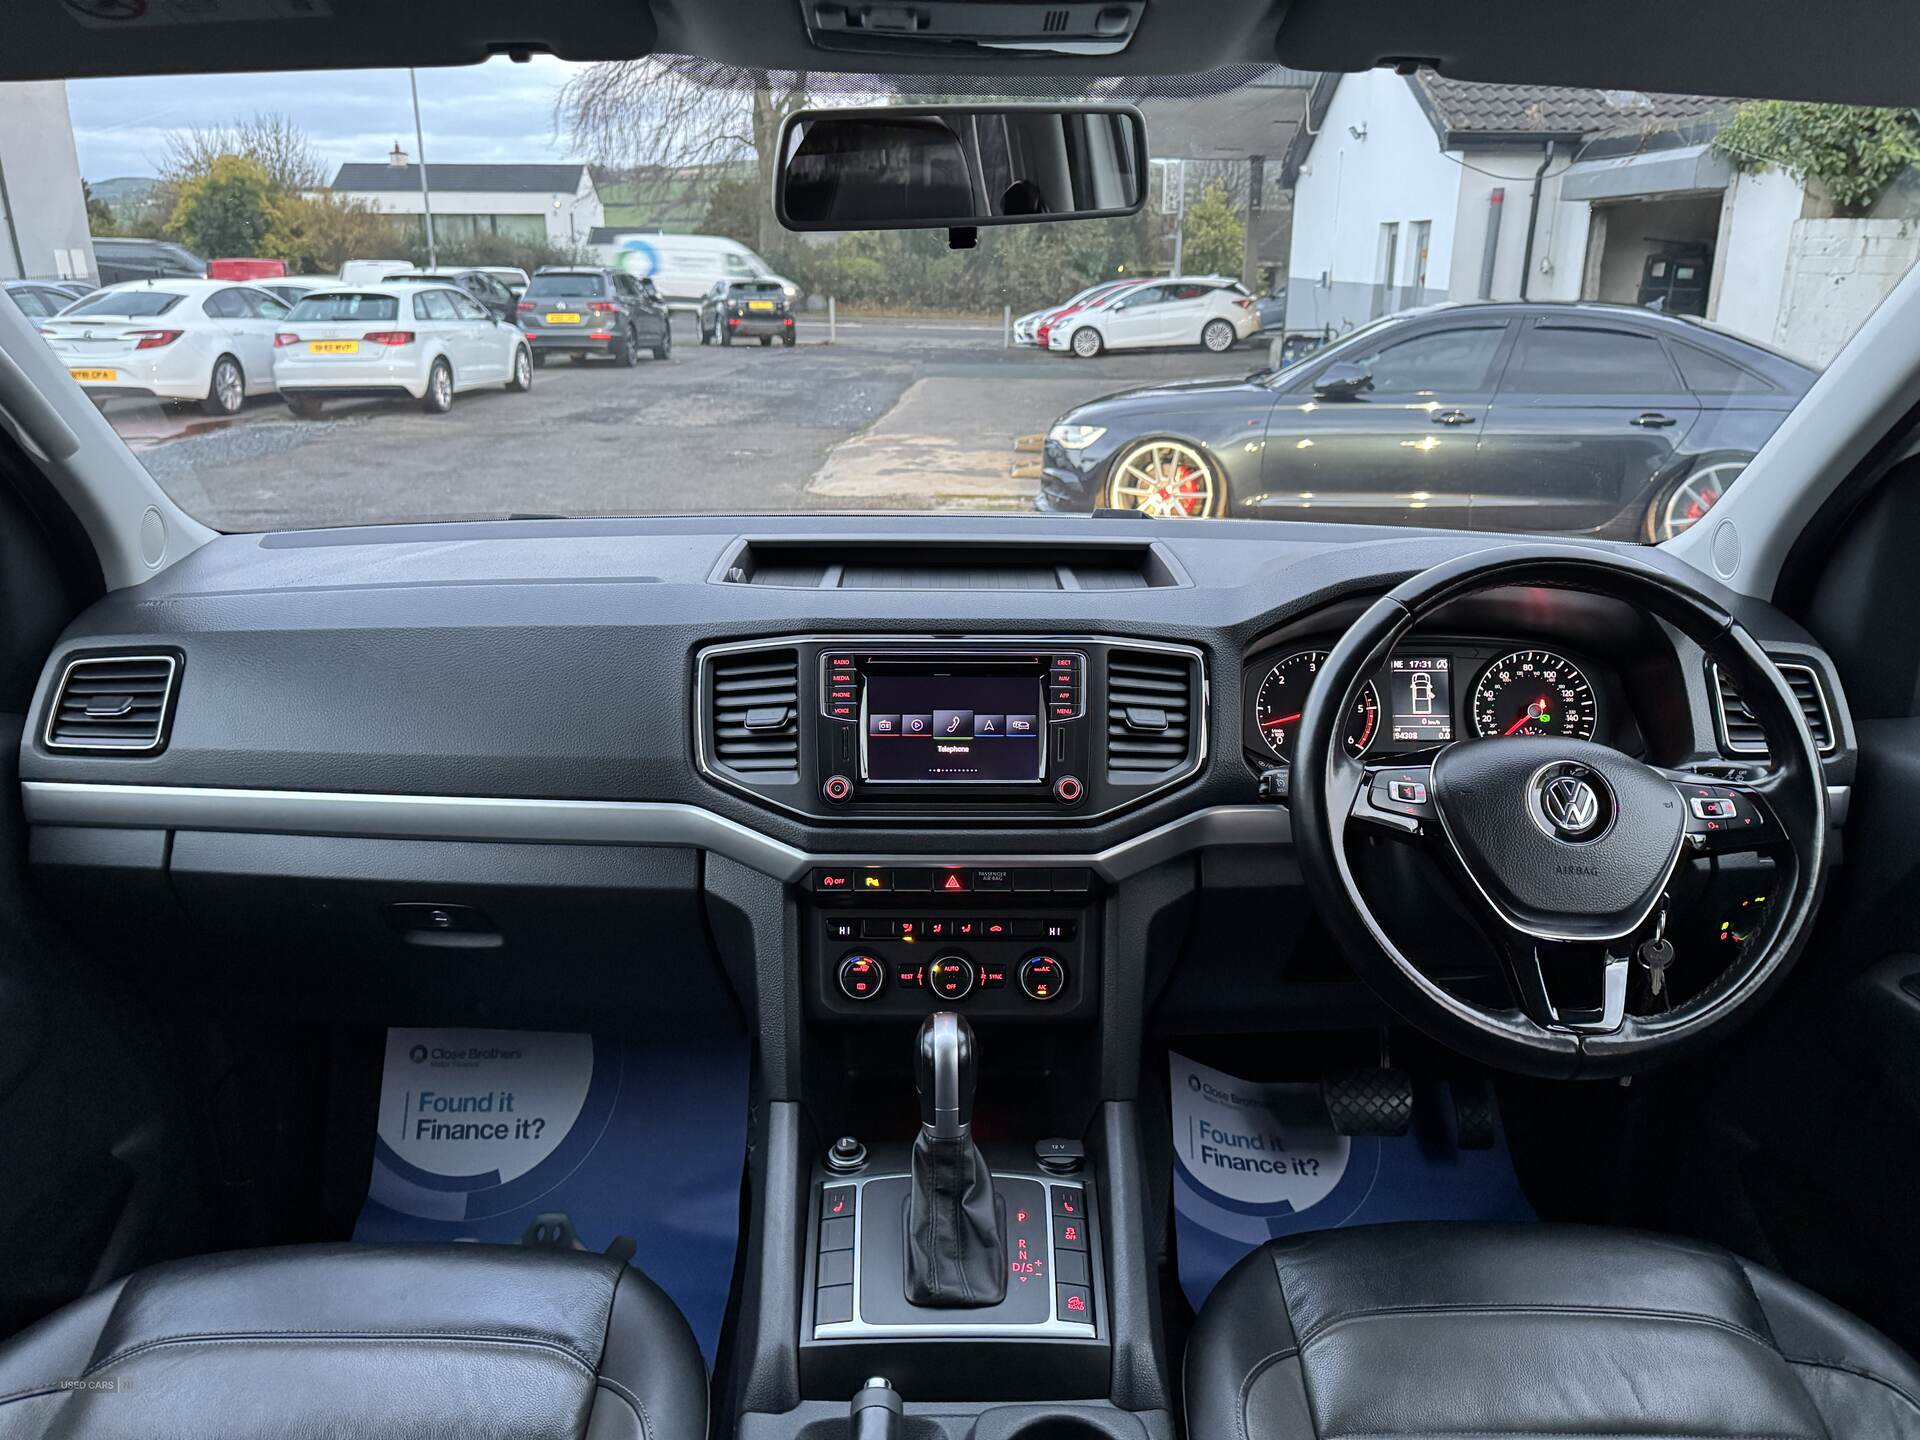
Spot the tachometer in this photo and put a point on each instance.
(1533, 692)
(1283, 695)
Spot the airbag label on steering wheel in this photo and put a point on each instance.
(1254, 1160)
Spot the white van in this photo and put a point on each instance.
(371, 272)
(684, 267)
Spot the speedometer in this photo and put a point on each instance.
(1533, 692)
(1282, 697)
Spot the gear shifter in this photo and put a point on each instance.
(956, 1253)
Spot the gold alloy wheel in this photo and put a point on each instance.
(1166, 479)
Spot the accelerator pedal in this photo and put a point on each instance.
(1372, 1101)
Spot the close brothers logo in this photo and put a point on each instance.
(418, 1054)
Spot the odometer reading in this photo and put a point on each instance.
(1282, 697)
(1533, 692)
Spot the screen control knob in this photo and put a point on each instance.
(951, 977)
(1042, 977)
(1068, 789)
(861, 976)
(838, 789)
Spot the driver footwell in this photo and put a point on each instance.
(1254, 1160)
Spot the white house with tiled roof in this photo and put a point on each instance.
(555, 203)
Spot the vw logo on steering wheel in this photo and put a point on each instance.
(1569, 801)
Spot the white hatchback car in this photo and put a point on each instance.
(400, 339)
(209, 341)
(1214, 312)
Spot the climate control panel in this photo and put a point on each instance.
(890, 942)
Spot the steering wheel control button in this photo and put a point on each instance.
(1712, 808)
(838, 789)
(1068, 790)
(951, 977)
(1407, 792)
(861, 976)
(1042, 977)
(1569, 801)
(1403, 790)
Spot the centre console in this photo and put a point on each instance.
(1066, 727)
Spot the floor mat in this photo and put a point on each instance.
(482, 1133)
(1255, 1160)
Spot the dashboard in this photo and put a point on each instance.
(1025, 738)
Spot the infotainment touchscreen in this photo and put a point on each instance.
(953, 727)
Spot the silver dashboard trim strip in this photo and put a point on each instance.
(607, 822)
(583, 822)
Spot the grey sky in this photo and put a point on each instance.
(493, 112)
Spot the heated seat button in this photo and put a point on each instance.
(837, 1202)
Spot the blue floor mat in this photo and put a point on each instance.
(482, 1131)
(1254, 1161)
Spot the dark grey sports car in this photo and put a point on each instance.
(1591, 419)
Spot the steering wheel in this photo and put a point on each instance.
(1563, 849)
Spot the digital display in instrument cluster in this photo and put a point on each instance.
(1420, 699)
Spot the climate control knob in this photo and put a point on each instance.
(1042, 977)
(861, 976)
(951, 977)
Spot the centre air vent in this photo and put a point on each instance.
(1740, 731)
(112, 702)
(753, 713)
(1150, 713)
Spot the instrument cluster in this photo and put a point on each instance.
(1432, 692)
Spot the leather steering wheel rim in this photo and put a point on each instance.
(1325, 778)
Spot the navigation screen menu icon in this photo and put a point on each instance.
(953, 724)
(984, 725)
(1023, 724)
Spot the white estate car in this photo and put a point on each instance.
(402, 339)
(209, 341)
(1212, 311)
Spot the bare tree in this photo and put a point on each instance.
(271, 140)
(666, 121)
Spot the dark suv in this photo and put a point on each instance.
(736, 309)
(584, 310)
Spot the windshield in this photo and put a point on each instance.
(1377, 298)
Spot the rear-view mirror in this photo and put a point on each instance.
(903, 168)
(1342, 380)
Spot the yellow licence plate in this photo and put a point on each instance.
(333, 347)
(563, 317)
(759, 304)
(95, 374)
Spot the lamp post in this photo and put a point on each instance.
(420, 149)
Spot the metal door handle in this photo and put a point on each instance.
(1453, 417)
(1652, 420)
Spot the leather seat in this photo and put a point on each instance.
(1531, 1331)
(362, 1342)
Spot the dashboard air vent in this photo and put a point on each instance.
(112, 702)
(1740, 732)
(753, 707)
(1150, 721)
